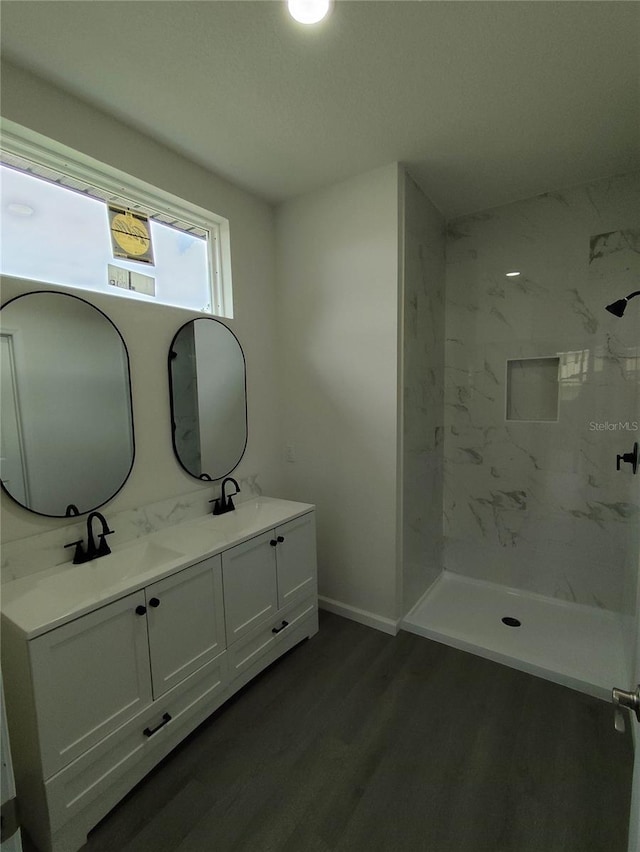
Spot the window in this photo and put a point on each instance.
(56, 228)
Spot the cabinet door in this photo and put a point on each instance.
(89, 677)
(296, 559)
(185, 615)
(250, 589)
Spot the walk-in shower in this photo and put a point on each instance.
(540, 394)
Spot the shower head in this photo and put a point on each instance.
(617, 308)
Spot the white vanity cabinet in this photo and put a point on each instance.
(250, 585)
(268, 573)
(92, 675)
(270, 592)
(89, 677)
(102, 686)
(297, 579)
(185, 621)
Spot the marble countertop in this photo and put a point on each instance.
(50, 598)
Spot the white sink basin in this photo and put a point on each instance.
(196, 537)
(212, 533)
(77, 585)
(247, 518)
(136, 558)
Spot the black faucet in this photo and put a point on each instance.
(224, 504)
(93, 551)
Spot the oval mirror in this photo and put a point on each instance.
(207, 383)
(66, 420)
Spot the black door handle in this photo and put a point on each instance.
(273, 542)
(154, 602)
(280, 538)
(140, 610)
(282, 627)
(149, 732)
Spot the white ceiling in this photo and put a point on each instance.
(486, 102)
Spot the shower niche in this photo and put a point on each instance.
(532, 389)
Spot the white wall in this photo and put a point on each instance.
(338, 313)
(148, 329)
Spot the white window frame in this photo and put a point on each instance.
(46, 152)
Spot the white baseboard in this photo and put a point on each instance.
(370, 619)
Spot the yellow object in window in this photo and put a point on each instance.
(130, 235)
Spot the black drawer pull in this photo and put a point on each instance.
(149, 732)
(154, 602)
(140, 610)
(280, 538)
(273, 542)
(282, 627)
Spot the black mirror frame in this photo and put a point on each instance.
(72, 510)
(204, 477)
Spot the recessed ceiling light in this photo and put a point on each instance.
(19, 209)
(512, 274)
(309, 11)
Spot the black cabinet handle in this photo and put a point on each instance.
(273, 542)
(149, 732)
(140, 610)
(280, 538)
(154, 602)
(282, 627)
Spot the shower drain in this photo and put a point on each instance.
(511, 622)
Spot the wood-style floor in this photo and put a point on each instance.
(363, 742)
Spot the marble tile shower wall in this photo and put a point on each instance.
(423, 397)
(539, 505)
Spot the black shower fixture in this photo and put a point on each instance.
(617, 308)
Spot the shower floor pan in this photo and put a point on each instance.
(577, 646)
